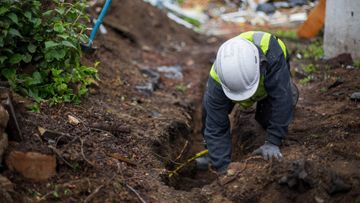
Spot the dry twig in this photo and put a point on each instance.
(58, 153)
(135, 192)
(182, 151)
(82, 153)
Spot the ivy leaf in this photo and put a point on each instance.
(47, 13)
(68, 44)
(49, 44)
(28, 15)
(27, 58)
(3, 10)
(31, 48)
(61, 11)
(35, 79)
(15, 32)
(16, 58)
(2, 59)
(13, 17)
(58, 27)
(9, 73)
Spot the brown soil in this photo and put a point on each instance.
(149, 131)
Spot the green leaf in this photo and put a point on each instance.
(47, 13)
(13, 17)
(31, 48)
(28, 15)
(15, 32)
(3, 10)
(68, 44)
(1, 42)
(58, 27)
(2, 59)
(27, 58)
(62, 87)
(61, 11)
(35, 79)
(9, 73)
(16, 58)
(49, 44)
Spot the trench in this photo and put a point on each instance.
(185, 141)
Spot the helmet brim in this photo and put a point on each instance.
(241, 96)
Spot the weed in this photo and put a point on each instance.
(314, 50)
(289, 34)
(306, 80)
(309, 69)
(48, 44)
(181, 88)
(356, 63)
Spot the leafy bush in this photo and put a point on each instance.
(40, 49)
(314, 50)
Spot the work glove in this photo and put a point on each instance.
(202, 163)
(269, 151)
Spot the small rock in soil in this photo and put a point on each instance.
(6, 184)
(336, 83)
(355, 96)
(3, 145)
(338, 185)
(12, 126)
(4, 118)
(32, 165)
(171, 72)
(72, 120)
(298, 176)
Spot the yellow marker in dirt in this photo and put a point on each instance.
(200, 154)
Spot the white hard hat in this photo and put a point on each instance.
(238, 67)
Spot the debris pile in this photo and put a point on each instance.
(203, 15)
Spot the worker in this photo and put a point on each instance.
(250, 68)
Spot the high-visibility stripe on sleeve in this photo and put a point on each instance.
(283, 47)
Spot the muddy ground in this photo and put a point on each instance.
(127, 140)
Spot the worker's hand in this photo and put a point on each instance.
(269, 151)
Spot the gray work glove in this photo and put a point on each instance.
(202, 163)
(269, 151)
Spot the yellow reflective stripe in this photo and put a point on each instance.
(264, 44)
(283, 47)
(214, 75)
(247, 35)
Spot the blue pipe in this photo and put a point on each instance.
(98, 22)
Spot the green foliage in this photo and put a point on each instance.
(40, 49)
(192, 21)
(309, 69)
(356, 63)
(289, 34)
(181, 88)
(306, 80)
(314, 50)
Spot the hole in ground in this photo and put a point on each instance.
(181, 142)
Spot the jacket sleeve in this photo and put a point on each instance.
(217, 125)
(278, 87)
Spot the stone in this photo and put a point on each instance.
(4, 118)
(3, 145)
(6, 184)
(72, 120)
(32, 165)
(355, 96)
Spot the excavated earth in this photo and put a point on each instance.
(127, 140)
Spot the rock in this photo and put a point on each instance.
(171, 72)
(72, 120)
(297, 176)
(6, 184)
(32, 165)
(267, 8)
(355, 96)
(341, 60)
(3, 144)
(4, 118)
(338, 185)
(12, 126)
